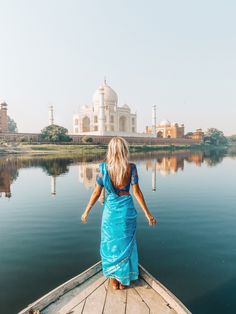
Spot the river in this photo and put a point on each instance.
(192, 250)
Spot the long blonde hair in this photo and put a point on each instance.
(117, 159)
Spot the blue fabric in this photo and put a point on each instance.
(133, 179)
(118, 248)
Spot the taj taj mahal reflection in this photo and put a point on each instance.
(164, 166)
(156, 164)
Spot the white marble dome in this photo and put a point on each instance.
(103, 116)
(165, 123)
(110, 95)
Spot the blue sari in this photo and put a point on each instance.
(118, 247)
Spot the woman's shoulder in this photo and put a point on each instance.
(133, 169)
(102, 165)
(133, 173)
(132, 165)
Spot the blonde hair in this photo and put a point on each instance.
(117, 159)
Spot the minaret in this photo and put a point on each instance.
(154, 175)
(51, 118)
(154, 120)
(101, 112)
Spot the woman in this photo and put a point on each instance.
(118, 247)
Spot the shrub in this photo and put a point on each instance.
(55, 133)
(87, 139)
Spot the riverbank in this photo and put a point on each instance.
(82, 149)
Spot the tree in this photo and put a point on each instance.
(12, 126)
(189, 134)
(232, 138)
(214, 136)
(55, 133)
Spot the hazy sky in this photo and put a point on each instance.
(179, 55)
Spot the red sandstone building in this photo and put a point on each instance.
(167, 130)
(3, 118)
(198, 135)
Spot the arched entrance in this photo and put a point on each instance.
(160, 134)
(85, 124)
(123, 124)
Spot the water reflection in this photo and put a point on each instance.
(87, 176)
(7, 176)
(163, 163)
(192, 251)
(55, 168)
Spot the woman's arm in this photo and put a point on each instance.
(93, 199)
(140, 198)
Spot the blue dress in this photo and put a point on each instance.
(118, 248)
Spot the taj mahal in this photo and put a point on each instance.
(104, 117)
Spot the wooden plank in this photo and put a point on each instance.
(96, 301)
(66, 298)
(53, 295)
(84, 293)
(167, 295)
(153, 300)
(77, 289)
(135, 304)
(115, 301)
(79, 308)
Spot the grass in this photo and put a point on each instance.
(85, 149)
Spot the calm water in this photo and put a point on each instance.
(192, 250)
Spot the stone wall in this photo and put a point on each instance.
(19, 137)
(139, 140)
(78, 139)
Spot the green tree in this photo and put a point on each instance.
(12, 126)
(216, 137)
(232, 138)
(189, 134)
(55, 133)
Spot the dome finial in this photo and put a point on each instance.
(105, 80)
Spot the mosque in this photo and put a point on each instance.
(104, 117)
(166, 129)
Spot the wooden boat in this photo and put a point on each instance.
(91, 293)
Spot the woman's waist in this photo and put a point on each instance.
(119, 197)
(120, 193)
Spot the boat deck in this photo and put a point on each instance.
(92, 293)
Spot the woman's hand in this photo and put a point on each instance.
(84, 217)
(139, 196)
(94, 197)
(151, 220)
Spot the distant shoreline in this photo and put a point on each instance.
(91, 149)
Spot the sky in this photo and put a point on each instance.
(179, 55)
